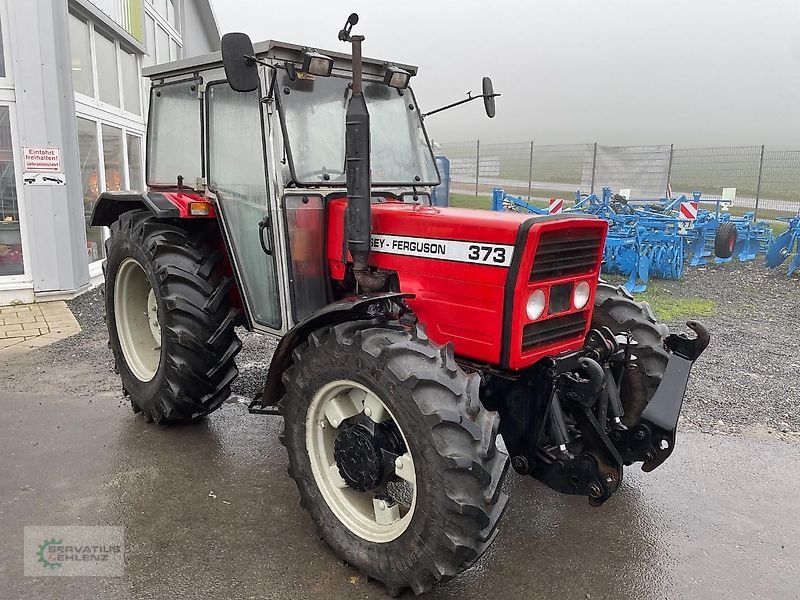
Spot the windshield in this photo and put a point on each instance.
(313, 113)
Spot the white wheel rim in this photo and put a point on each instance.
(136, 318)
(370, 518)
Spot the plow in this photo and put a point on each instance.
(656, 238)
(783, 245)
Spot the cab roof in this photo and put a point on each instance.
(273, 50)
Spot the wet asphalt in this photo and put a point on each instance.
(209, 512)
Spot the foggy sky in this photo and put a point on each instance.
(699, 73)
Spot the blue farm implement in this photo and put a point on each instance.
(783, 246)
(639, 245)
(652, 239)
(722, 236)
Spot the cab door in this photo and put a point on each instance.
(237, 175)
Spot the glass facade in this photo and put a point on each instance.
(131, 82)
(107, 72)
(81, 56)
(2, 54)
(150, 41)
(10, 238)
(88, 153)
(162, 31)
(135, 167)
(110, 112)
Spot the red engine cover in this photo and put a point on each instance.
(461, 265)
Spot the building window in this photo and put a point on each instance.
(150, 35)
(10, 236)
(107, 73)
(171, 16)
(131, 94)
(135, 171)
(113, 158)
(104, 70)
(90, 184)
(162, 45)
(162, 31)
(80, 50)
(2, 55)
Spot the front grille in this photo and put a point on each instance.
(562, 254)
(551, 331)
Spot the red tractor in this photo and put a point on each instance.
(289, 193)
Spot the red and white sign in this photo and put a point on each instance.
(42, 160)
(688, 211)
(556, 206)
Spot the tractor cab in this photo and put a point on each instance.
(260, 133)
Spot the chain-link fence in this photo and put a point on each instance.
(766, 181)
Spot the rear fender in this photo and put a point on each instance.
(348, 309)
(164, 205)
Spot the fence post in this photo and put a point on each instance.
(668, 191)
(477, 164)
(530, 172)
(594, 165)
(758, 185)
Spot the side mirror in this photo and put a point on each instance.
(488, 97)
(238, 60)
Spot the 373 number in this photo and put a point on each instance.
(487, 254)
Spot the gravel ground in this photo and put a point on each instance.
(747, 380)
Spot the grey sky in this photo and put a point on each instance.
(700, 72)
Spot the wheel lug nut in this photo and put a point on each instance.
(398, 463)
(381, 505)
(368, 411)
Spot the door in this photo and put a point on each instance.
(237, 175)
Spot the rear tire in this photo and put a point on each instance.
(458, 498)
(171, 272)
(725, 240)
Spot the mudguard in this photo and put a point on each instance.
(348, 309)
(110, 205)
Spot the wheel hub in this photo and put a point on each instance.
(365, 453)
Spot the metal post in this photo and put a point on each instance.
(594, 165)
(758, 185)
(669, 171)
(477, 164)
(530, 172)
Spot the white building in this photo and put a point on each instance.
(73, 108)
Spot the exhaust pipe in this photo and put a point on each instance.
(357, 170)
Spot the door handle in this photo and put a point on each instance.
(262, 225)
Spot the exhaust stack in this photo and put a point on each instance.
(357, 170)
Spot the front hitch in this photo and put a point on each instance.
(652, 440)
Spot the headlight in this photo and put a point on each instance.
(535, 305)
(581, 295)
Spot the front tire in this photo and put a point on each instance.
(170, 326)
(449, 517)
(616, 309)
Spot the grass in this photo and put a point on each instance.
(670, 307)
(470, 201)
(483, 201)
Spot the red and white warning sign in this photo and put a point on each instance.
(688, 211)
(556, 206)
(42, 160)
